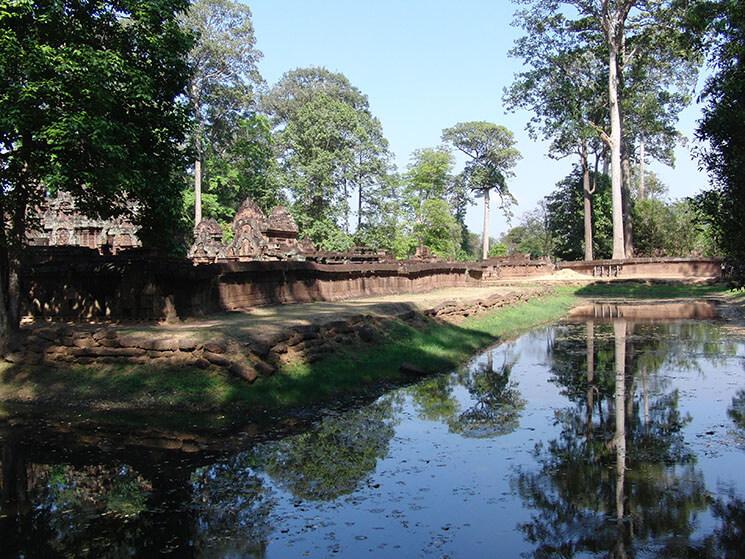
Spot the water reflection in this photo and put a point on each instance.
(598, 437)
(333, 459)
(620, 478)
(494, 403)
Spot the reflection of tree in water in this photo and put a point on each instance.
(232, 508)
(433, 398)
(736, 413)
(334, 458)
(76, 511)
(619, 476)
(496, 402)
(728, 541)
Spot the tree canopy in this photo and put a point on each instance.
(90, 104)
(491, 156)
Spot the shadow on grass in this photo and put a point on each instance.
(436, 347)
(356, 370)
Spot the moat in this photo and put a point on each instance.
(612, 433)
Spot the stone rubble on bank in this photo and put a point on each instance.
(259, 356)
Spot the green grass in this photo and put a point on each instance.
(358, 370)
(437, 347)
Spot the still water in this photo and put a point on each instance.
(606, 435)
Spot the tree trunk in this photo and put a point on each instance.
(14, 243)
(359, 196)
(642, 170)
(619, 438)
(627, 203)
(485, 234)
(590, 349)
(14, 292)
(359, 206)
(197, 191)
(348, 208)
(5, 328)
(587, 191)
(619, 252)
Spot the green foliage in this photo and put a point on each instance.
(531, 235)
(670, 229)
(299, 86)
(89, 104)
(429, 175)
(438, 230)
(721, 24)
(328, 145)
(498, 249)
(244, 168)
(324, 233)
(564, 218)
(425, 213)
(491, 153)
(333, 459)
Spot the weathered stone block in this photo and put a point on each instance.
(260, 348)
(165, 344)
(214, 347)
(280, 348)
(187, 344)
(294, 340)
(340, 326)
(263, 368)
(84, 342)
(246, 372)
(216, 358)
(309, 331)
(104, 334)
(49, 334)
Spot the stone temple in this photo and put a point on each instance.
(60, 224)
(255, 237)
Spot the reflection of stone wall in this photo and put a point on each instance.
(62, 225)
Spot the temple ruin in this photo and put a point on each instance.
(61, 224)
(255, 237)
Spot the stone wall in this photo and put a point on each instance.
(649, 268)
(80, 284)
(248, 359)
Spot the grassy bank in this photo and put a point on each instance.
(355, 370)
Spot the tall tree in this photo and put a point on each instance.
(645, 64)
(492, 155)
(223, 87)
(89, 104)
(721, 32)
(566, 224)
(563, 86)
(329, 146)
(429, 177)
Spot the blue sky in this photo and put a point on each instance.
(426, 65)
